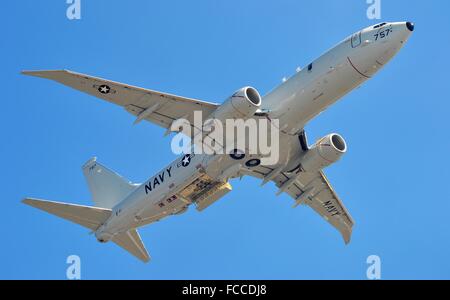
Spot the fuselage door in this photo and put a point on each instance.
(356, 40)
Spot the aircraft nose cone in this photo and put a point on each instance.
(410, 26)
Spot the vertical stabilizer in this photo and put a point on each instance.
(107, 187)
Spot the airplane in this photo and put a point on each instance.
(200, 179)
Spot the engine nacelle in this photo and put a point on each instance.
(325, 152)
(243, 104)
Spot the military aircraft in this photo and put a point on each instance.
(201, 179)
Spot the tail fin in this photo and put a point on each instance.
(87, 216)
(107, 187)
(131, 241)
(92, 218)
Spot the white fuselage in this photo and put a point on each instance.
(295, 102)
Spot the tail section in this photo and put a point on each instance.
(107, 187)
(92, 218)
(87, 216)
(131, 241)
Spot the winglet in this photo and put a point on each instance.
(42, 73)
(347, 235)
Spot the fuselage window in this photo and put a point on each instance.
(310, 67)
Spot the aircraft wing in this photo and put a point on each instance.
(156, 107)
(314, 190)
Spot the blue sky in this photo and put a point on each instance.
(393, 180)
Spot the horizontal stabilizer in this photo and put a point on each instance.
(131, 241)
(87, 216)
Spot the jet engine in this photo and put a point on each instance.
(325, 152)
(242, 104)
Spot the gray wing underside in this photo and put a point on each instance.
(314, 190)
(156, 107)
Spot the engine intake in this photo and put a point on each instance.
(242, 104)
(323, 153)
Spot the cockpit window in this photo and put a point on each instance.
(310, 67)
(379, 25)
(356, 40)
